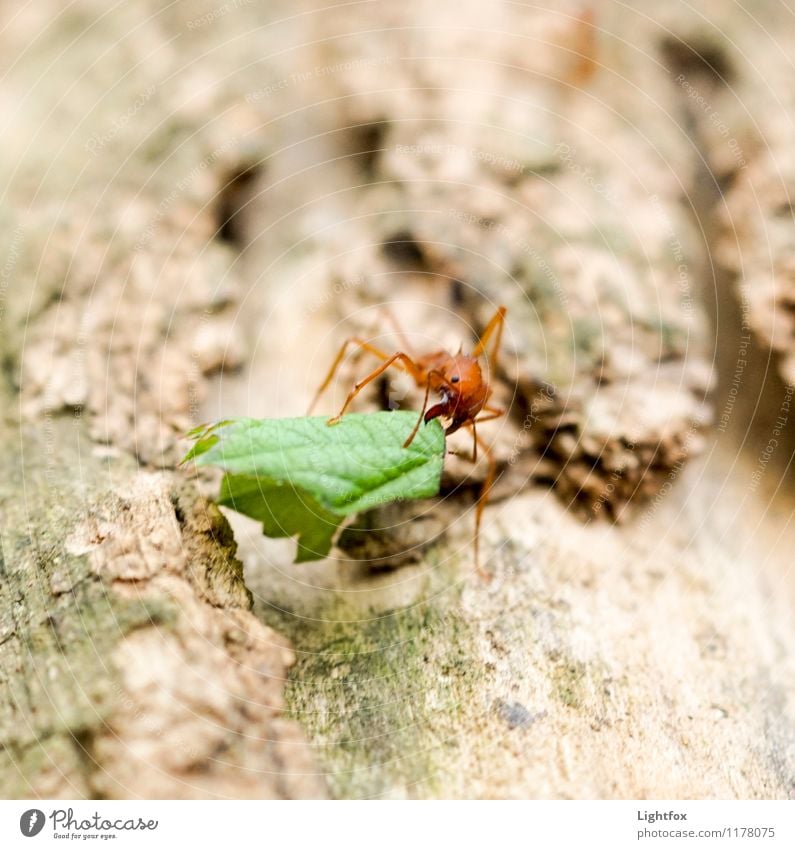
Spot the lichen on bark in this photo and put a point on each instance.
(270, 183)
(130, 659)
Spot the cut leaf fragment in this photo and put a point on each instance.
(284, 511)
(301, 477)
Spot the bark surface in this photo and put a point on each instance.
(201, 202)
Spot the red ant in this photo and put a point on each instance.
(458, 379)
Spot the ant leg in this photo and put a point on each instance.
(421, 417)
(496, 323)
(483, 496)
(425, 403)
(585, 49)
(493, 413)
(483, 499)
(353, 340)
(399, 332)
(403, 359)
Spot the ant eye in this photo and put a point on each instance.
(455, 378)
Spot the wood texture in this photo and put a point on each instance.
(200, 207)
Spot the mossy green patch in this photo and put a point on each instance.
(382, 697)
(59, 623)
(568, 681)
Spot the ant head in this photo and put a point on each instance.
(459, 381)
(462, 373)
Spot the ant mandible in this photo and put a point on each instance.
(463, 390)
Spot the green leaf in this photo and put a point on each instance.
(302, 477)
(205, 438)
(284, 512)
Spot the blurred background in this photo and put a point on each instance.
(203, 200)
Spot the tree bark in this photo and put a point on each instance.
(131, 663)
(195, 245)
